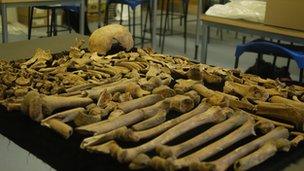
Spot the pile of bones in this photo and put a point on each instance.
(148, 100)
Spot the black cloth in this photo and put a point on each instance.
(64, 154)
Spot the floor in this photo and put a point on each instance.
(220, 53)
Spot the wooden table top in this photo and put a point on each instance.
(254, 26)
(26, 48)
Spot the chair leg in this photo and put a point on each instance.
(185, 25)
(129, 19)
(48, 24)
(165, 27)
(288, 63)
(30, 22)
(52, 23)
(99, 13)
(68, 21)
(236, 63)
(55, 22)
(120, 21)
(145, 25)
(172, 12)
(106, 19)
(301, 75)
(134, 24)
(161, 21)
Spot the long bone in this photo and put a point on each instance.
(265, 152)
(282, 111)
(213, 132)
(38, 106)
(247, 129)
(180, 103)
(217, 96)
(130, 135)
(95, 91)
(224, 162)
(212, 115)
(252, 92)
(278, 99)
(65, 116)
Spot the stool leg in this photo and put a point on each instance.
(134, 24)
(106, 19)
(145, 25)
(99, 13)
(161, 21)
(165, 27)
(52, 23)
(48, 26)
(30, 22)
(185, 25)
(301, 75)
(68, 21)
(236, 63)
(129, 20)
(172, 8)
(120, 21)
(55, 22)
(142, 29)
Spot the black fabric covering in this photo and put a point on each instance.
(64, 154)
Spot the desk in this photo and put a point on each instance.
(246, 27)
(13, 3)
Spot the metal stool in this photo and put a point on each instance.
(51, 27)
(131, 4)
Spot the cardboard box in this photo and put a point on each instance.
(285, 13)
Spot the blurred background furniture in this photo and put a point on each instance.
(132, 4)
(277, 49)
(52, 27)
(13, 3)
(258, 29)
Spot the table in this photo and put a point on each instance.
(13, 3)
(258, 29)
(63, 154)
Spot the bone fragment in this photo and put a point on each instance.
(66, 116)
(60, 127)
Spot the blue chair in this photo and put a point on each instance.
(131, 4)
(276, 49)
